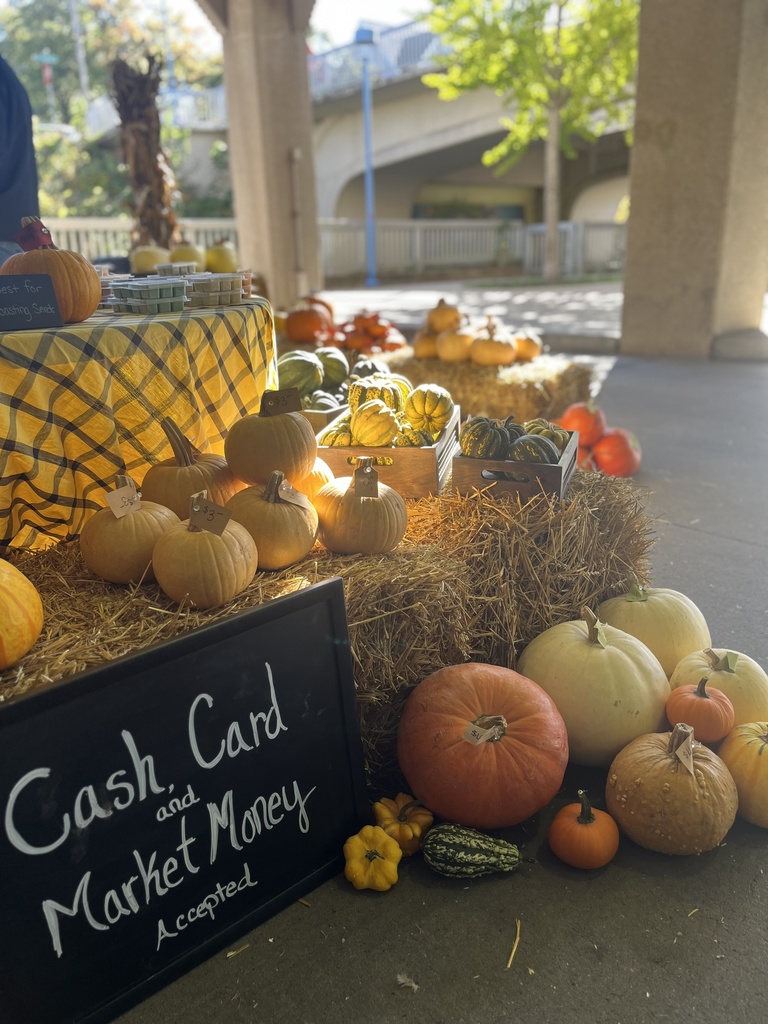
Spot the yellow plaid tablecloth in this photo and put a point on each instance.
(82, 403)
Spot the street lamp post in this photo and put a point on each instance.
(364, 37)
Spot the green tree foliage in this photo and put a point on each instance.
(563, 68)
(79, 174)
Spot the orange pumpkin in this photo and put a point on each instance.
(21, 614)
(707, 710)
(309, 322)
(617, 452)
(482, 745)
(529, 345)
(76, 282)
(582, 836)
(587, 418)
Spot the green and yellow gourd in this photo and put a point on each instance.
(429, 407)
(374, 424)
(409, 437)
(336, 434)
(363, 390)
(514, 429)
(534, 448)
(301, 370)
(483, 438)
(542, 427)
(460, 852)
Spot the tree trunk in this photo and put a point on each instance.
(552, 196)
(152, 181)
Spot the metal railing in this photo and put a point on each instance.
(403, 247)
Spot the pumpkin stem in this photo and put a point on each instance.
(678, 736)
(497, 723)
(637, 593)
(183, 451)
(595, 631)
(586, 817)
(403, 816)
(725, 664)
(272, 488)
(373, 854)
(701, 689)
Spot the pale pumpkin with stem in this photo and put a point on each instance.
(281, 520)
(661, 804)
(119, 549)
(608, 686)
(666, 621)
(493, 345)
(173, 481)
(744, 751)
(736, 675)
(258, 445)
(202, 568)
(356, 519)
(21, 614)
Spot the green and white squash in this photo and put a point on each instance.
(483, 438)
(301, 370)
(460, 852)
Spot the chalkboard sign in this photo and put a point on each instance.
(159, 807)
(28, 301)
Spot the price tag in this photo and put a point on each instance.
(207, 515)
(366, 482)
(290, 494)
(685, 752)
(124, 499)
(273, 403)
(474, 734)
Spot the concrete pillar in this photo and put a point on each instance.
(270, 141)
(697, 245)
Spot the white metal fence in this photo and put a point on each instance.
(402, 246)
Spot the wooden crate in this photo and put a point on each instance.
(320, 418)
(412, 472)
(525, 479)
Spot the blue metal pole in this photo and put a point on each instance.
(370, 217)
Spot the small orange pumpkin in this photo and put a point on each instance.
(405, 819)
(21, 614)
(310, 321)
(582, 836)
(708, 711)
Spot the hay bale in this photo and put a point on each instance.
(544, 387)
(476, 578)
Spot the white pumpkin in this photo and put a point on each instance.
(739, 677)
(665, 620)
(608, 686)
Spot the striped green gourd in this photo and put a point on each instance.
(483, 438)
(374, 424)
(460, 852)
(335, 366)
(302, 370)
(534, 448)
(363, 390)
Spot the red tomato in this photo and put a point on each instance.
(617, 453)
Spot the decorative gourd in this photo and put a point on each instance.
(202, 568)
(608, 686)
(173, 481)
(662, 805)
(483, 438)
(665, 620)
(367, 366)
(744, 751)
(406, 820)
(513, 428)
(534, 448)
(529, 346)
(424, 344)
(119, 548)
(587, 418)
(374, 424)
(459, 852)
(300, 370)
(320, 401)
(352, 523)
(21, 614)
(363, 390)
(429, 407)
(444, 317)
(559, 436)
(583, 836)
(409, 437)
(281, 520)
(454, 345)
(335, 366)
(187, 252)
(221, 257)
(310, 322)
(143, 259)
(371, 858)
(320, 474)
(493, 345)
(707, 710)
(739, 677)
(482, 745)
(337, 434)
(75, 281)
(617, 452)
(258, 445)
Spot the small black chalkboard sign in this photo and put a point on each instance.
(161, 806)
(28, 302)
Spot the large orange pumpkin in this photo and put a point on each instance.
(482, 745)
(587, 418)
